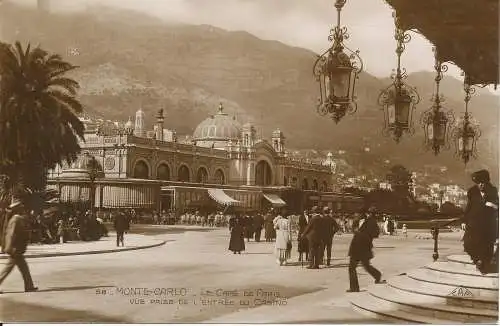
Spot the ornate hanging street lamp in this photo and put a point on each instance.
(436, 123)
(466, 132)
(336, 71)
(398, 100)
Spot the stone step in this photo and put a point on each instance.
(478, 286)
(426, 305)
(447, 292)
(457, 268)
(366, 303)
(462, 259)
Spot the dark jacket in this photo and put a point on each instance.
(16, 235)
(121, 223)
(330, 227)
(478, 215)
(315, 229)
(361, 247)
(258, 222)
(481, 221)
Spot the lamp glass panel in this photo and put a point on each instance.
(430, 131)
(340, 80)
(468, 143)
(391, 113)
(440, 132)
(403, 112)
(464, 144)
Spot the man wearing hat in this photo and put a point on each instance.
(481, 213)
(314, 233)
(15, 244)
(360, 250)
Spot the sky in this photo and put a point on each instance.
(302, 23)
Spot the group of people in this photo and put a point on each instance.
(316, 229)
(56, 224)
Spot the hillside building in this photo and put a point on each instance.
(223, 164)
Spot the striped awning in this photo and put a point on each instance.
(128, 196)
(275, 200)
(222, 198)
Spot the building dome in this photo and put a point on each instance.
(219, 127)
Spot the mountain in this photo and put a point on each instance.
(129, 60)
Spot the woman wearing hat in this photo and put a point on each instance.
(480, 217)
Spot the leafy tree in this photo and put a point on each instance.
(39, 126)
(400, 179)
(448, 208)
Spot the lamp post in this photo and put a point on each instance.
(434, 121)
(466, 132)
(398, 100)
(336, 71)
(435, 234)
(93, 171)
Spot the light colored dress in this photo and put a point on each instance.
(283, 237)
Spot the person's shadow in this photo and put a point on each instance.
(64, 288)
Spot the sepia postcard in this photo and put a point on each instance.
(249, 161)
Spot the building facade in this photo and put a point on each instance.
(224, 164)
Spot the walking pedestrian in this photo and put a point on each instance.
(405, 231)
(237, 241)
(361, 250)
(481, 219)
(314, 234)
(121, 225)
(15, 244)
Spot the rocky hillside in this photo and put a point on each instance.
(129, 60)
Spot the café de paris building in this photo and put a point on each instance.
(224, 164)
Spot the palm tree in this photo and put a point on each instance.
(39, 126)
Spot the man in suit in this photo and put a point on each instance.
(481, 214)
(121, 225)
(314, 233)
(15, 244)
(330, 228)
(258, 223)
(361, 248)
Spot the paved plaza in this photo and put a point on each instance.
(193, 278)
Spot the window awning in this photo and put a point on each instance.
(275, 200)
(222, 198)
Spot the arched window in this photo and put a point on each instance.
(325, 186)
(163, 172)
(294, 182)
(183, 175)
(141, 170)
(202, 175)
(315, 185)
(305, 184)
(219, 177)
(263, 174)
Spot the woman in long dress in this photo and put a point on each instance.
(237, 242)
(303, 244)
(283, 239)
